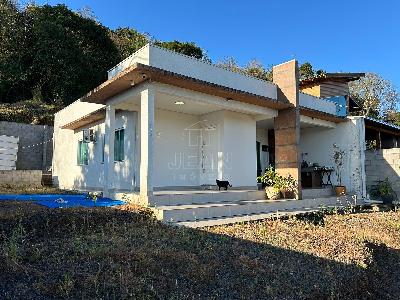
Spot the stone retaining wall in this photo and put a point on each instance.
(382, 164)
(31, 178)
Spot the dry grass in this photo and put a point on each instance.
(11, 189)
(124, 253)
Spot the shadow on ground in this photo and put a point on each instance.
(109, 253)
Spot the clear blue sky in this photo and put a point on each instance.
(348, 36)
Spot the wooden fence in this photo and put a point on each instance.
(8, 152)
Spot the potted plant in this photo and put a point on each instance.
(386, 191)
(269, 179)
(338, 158)
(287, 186)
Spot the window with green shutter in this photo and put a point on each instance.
(83, 153)
(119, 145)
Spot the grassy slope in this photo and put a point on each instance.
(110, 253)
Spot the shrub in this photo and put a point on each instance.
(30, 112)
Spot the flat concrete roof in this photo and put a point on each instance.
(139, 73)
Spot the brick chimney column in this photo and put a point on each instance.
(287, 123)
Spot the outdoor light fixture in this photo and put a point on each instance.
(179, 102)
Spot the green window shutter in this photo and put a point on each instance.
(103, 140)
(119, 145)
(116, 138)
(78, 153)
(83, 153)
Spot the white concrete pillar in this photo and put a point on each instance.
(109, 149)
(146, 141)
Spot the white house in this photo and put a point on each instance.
(165, 126)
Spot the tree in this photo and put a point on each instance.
(230, 63)
(128, 40)
(256, 69)
(307, 72)
(375, 95)
(253, 68)
(187, 48)
(69, 54)
(12, 57)
(61, 55)
(393, 117)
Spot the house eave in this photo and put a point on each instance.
(139, 73)
(305, 111)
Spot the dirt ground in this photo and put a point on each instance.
(124, 253)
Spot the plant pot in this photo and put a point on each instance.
(259, 186)
(272, 193)
(287, 194)
(340, 190)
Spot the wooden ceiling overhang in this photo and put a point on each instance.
(139, 73)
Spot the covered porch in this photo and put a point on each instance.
(315, 151)
(181, 141)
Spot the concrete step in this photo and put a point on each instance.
(195, 212)
(199, 197)
(317, 192)
(242, 219)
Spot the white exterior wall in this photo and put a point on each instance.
(140, 56)
(240, 157)
(64, 166)
(212, 166)
(349, 136)
(230, 152)
(176, 162)
(188, 66)
(69, 175)
(316, 103)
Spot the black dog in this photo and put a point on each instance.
(223, 184)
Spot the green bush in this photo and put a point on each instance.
(30, 111)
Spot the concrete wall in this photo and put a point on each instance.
(35, 147)
(65, 170)
(185, 65)
(229, 151)
(382, 164)
(193, 150)
(316, 103)
(176, 149)
(30, 178)
(240, 157)
(349, 136)
(69, 175)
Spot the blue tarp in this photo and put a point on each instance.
(62, 201)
